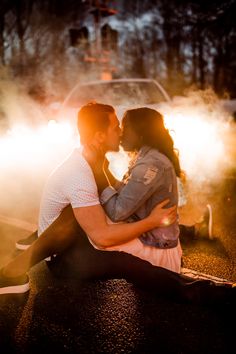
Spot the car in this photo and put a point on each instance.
(120, 93)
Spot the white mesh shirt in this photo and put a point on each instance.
(70, 183)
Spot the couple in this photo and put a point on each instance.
(74, 226)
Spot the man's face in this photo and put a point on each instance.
(112, 136)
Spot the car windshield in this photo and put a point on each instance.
(116, 93)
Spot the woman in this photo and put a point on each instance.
(151, 178)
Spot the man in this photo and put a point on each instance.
(72, 184)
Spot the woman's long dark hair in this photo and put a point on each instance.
(149, 125)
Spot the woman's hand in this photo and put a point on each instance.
(94, 157)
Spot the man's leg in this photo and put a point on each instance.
(65, 237)
(92, 264)
(59, 236)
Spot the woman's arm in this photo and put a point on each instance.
(119, 204)
(103, 177)
(145, 178)
(111, 178)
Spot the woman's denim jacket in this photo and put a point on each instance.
(150, 179)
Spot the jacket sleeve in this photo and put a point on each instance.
(145, 178)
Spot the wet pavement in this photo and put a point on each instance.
(114, 316)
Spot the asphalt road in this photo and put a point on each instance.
(115, 317)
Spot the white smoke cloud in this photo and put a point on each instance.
(203, 132)
(32, 144)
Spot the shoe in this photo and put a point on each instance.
(25, 243)
(210, 293)
(223, 294)
(18, 285)
(204, 228)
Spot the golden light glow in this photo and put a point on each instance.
(200, 141)
(198, 137)
(119, 162)
(23, 147)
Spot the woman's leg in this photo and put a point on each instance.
(187, 233)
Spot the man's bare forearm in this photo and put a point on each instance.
(117, 234)
(93, 221)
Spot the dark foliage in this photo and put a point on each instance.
(182, 43)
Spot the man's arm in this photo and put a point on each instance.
(93, 221)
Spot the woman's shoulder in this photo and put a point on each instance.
(155, 156)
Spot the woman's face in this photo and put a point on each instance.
(130, 140)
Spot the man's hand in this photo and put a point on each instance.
(163, 217)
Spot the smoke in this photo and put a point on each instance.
(204, 134)
(33, 142)
(31, 145)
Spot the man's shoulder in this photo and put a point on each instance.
(74, 167)
(74, 161)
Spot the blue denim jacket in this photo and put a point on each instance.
(150, 179)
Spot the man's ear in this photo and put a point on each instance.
(100, 137)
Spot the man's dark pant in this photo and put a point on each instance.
(83, 261)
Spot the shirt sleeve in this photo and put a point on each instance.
(82, 191)
(145, 178)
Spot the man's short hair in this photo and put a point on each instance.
(93, 117)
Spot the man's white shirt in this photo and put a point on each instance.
(70, 183)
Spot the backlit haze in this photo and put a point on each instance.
(33, 143)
